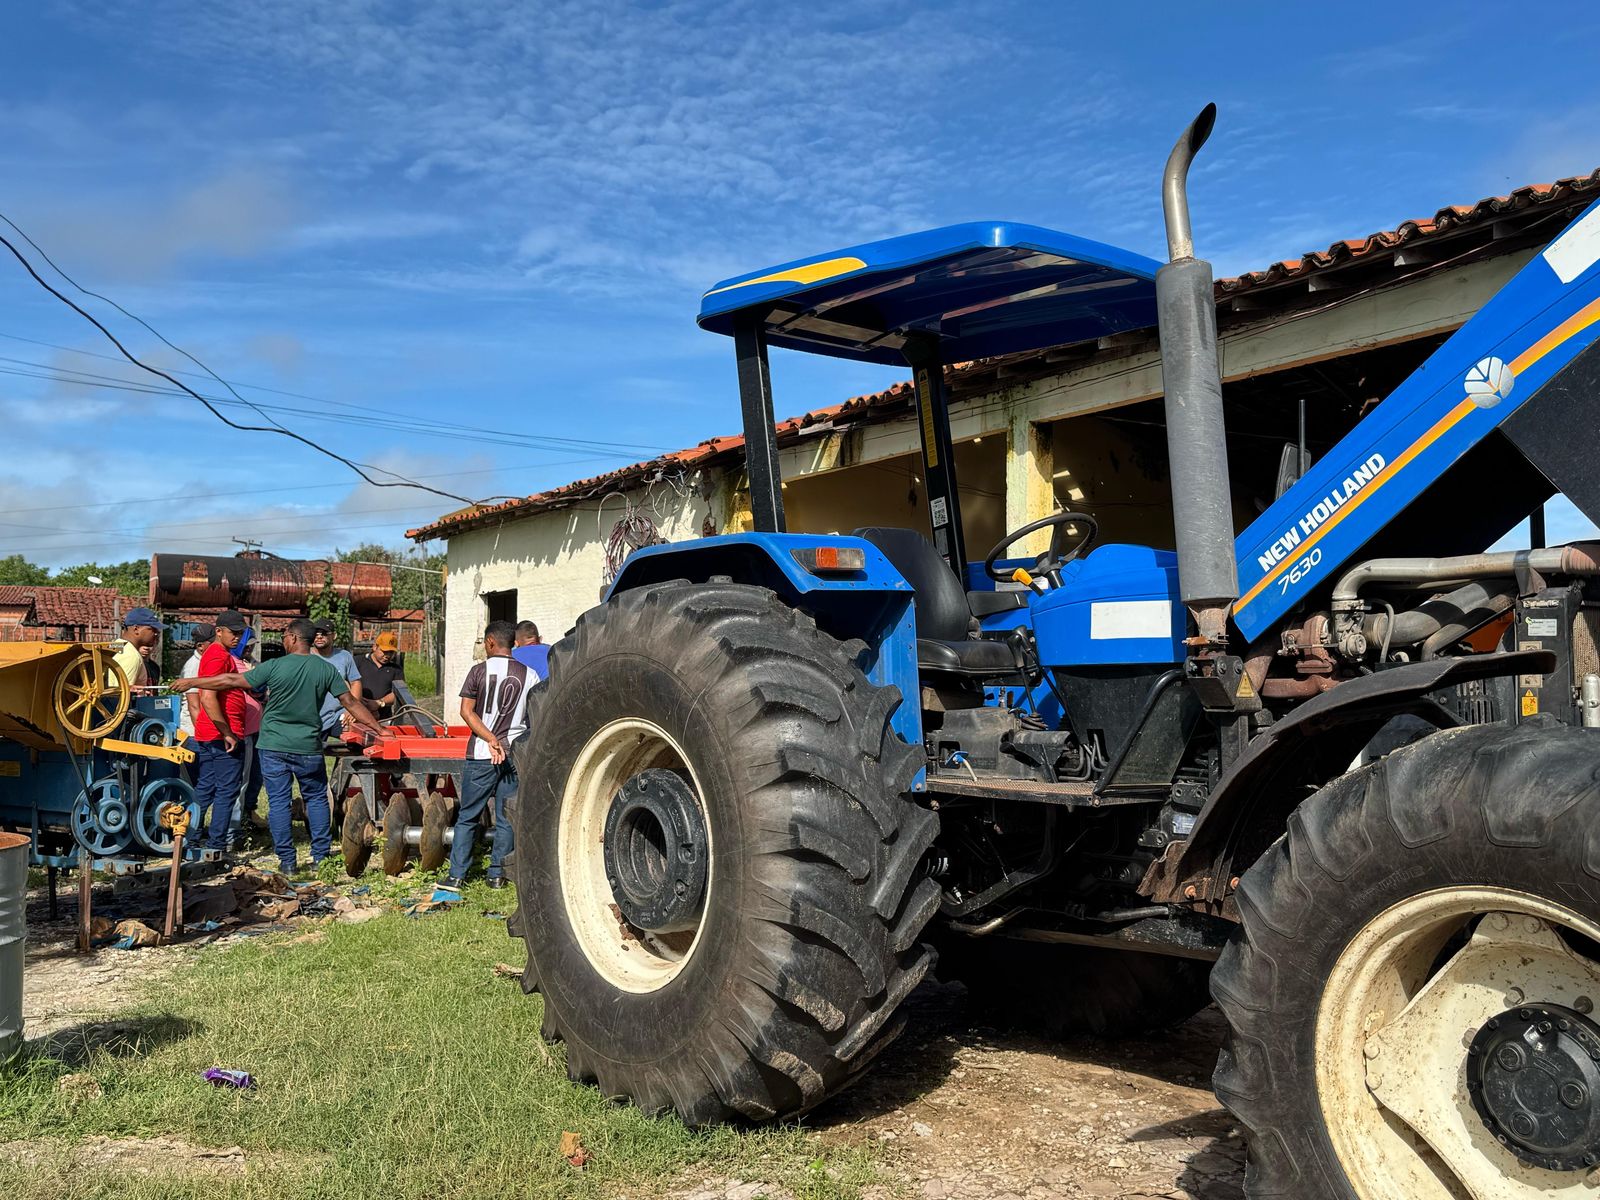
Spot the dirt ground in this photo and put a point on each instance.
(957, 1110)
(969, 1112)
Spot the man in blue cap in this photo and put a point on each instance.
(141, 632)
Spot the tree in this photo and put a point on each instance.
(330, 605)
(16, 569)
(131, 578)
(417, 576)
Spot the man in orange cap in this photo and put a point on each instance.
(379, 670)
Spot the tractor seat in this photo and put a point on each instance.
(946, 631)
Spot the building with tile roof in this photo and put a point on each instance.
(1079, 425)
(39, 614)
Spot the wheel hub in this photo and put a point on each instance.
(1534, 1077)
(655, 852)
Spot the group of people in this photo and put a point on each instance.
(266, 724)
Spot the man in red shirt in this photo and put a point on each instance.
(219, 733)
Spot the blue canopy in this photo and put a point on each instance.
(984, 287)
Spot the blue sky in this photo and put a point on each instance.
(499, 218)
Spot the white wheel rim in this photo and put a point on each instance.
(628, 958)
(1392, 1034)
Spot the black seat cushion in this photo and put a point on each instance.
(973, 657)
(946, 631)
(941, 603)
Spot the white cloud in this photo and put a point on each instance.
(236, 214)
(617, 122)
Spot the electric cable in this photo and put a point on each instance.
(630, 447)
(421, 426)
(216, 412)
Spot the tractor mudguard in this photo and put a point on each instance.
(1314, 743)
(873, 605)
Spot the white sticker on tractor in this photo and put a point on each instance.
(1574, 252)
(1130, 619)
(937, 509)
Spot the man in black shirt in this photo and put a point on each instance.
(379, 670)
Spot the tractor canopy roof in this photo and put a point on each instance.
(983, 288)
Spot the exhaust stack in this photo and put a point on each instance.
(1192, 380)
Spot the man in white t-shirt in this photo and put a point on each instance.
(494, 705)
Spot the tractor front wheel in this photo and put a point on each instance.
(718, 855)
(1411, 995)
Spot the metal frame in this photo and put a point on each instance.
(760, 434)
(938, 454)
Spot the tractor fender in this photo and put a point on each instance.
(872, 605)
(1249, 807)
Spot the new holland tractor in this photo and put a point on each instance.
(774, 777)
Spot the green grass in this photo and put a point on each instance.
(391, 1063)
(420, 676)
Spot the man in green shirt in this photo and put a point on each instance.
(289, 745)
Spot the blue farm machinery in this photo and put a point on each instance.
(775, 779)
(89, 772)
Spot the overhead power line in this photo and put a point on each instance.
(303, 487)
(224, 520)
(409, 423)
(273, 427)
(291, 538)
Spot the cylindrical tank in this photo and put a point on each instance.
(265, 584)
(13, 939)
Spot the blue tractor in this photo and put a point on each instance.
(774, 778)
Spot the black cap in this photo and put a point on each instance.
(231, 620)
(323, 626)
(204, 633)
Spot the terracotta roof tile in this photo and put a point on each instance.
(93, 608)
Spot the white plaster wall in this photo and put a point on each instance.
(555, 561)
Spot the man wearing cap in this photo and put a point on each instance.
(379, 670)
(343, 662)
(141, 630)
(221, 741)
(290, 745)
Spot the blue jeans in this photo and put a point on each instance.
(249, 791)
(279, 770)
(479, 782)
(217, 774)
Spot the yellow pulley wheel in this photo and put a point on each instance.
(92, 694)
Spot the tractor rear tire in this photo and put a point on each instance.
(1415, 911)
(785, 981)
(1060, 991)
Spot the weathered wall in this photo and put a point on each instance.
(554, 561)
(891, 492)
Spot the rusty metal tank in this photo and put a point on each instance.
(265, 584)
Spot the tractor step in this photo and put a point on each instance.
(1076, 794)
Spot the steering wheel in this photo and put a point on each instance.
(1049, 563)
